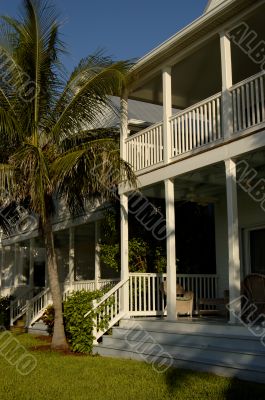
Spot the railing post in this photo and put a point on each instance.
(171, 250)
(97, 254)
(31, 266)
(124, 123)
(28, 313)
(233, 241)
(124, 253)
(71, 258)
(227, 81)
(167, 112)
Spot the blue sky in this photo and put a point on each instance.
(126, 29)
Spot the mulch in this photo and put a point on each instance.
(47, 347)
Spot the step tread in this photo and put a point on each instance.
(234, 366)
(202, 334)
(196, 346)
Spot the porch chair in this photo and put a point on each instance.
(184, 299)
(254, 290)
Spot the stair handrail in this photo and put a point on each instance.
(106, 296)
(113, 312)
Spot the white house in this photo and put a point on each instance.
(207, 149)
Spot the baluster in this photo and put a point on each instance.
(252, 103)
(206, 137)
(210, 122)
(153, 293)
(194, 128)
(243, 95)
(149, 293)
(238, 92)
(190, 131)
(257, 101)
(186, 133)
(262, 98)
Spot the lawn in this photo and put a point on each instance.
(66, 377)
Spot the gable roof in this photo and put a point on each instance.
(212, 4)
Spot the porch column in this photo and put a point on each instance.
(233, 240)
(124, 123)
(31, 264)
(124, 252)
(227, 81)
(167, 112)
(171, 250)
(16, 266)
(71, 257)
(97, 255)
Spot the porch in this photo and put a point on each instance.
(200, 127)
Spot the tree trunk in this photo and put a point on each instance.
(58, 339)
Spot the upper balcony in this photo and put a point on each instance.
(200, 126)
(210, 87)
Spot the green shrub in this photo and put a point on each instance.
(79, 330)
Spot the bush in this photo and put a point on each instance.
(79, 330)
(5, 311)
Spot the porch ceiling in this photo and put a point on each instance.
(193, 79)
(202, 186)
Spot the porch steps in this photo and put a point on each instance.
(218, 348)
(39, 328)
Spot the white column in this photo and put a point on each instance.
(227, 81)
(97, 254)
(124, 124)
(167, 112)
(233, 240)
(16, 266)
(71, 257)
(31, 264)
(171, 250)
(124, 251)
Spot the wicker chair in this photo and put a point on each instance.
(254, 290)
(184, 299)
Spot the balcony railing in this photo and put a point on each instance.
(248, 102)
(199, 126)
(145, 148)
(196, 126)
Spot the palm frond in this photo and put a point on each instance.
(86, 100)
(91, 170)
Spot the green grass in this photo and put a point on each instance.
(65, 377)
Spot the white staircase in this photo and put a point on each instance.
(207, 346)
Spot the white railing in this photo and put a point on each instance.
(108, 311)
(36, 306)
(145, 148)
(196, 126)
(17, 309)
(88, 286)
(248, 102)
(146, 299)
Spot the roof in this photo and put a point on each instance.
(218, 12)
(212, 4)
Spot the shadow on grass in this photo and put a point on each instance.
(201, 386)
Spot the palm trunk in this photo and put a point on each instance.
(58, 340)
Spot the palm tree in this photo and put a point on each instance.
(49, 125)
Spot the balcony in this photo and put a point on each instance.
(201, 126)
